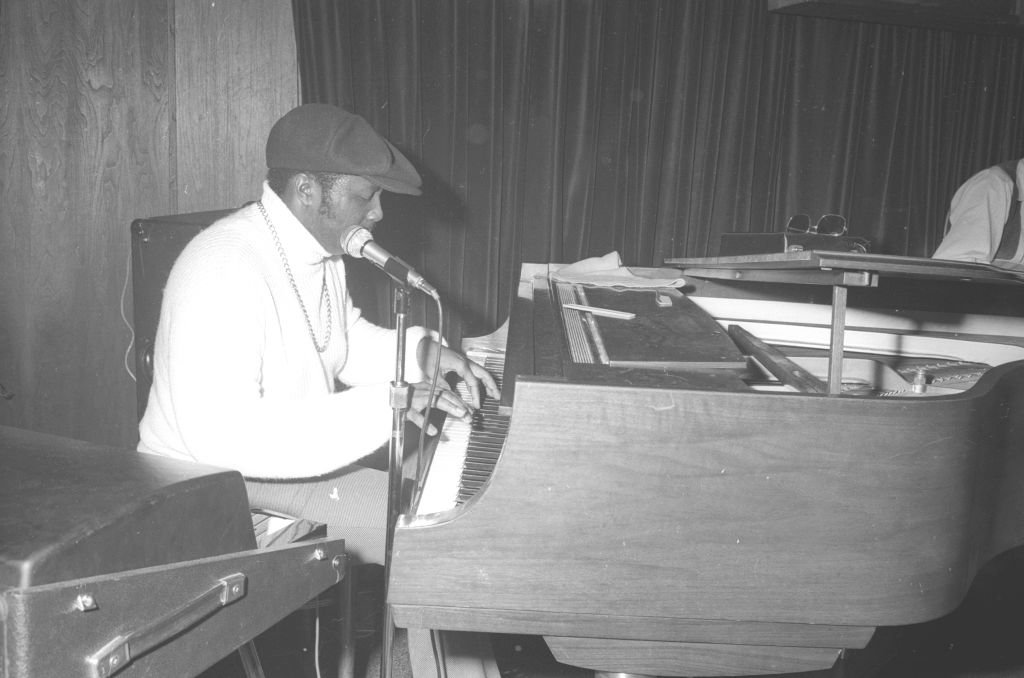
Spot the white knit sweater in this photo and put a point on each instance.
(237, 380)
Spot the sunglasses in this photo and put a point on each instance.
(828, 224)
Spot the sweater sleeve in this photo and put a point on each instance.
(209, 401)
(372, 351)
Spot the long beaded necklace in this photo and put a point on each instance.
(324, 294)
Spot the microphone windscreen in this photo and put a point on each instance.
(356, 241)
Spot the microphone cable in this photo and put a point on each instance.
(435, 374)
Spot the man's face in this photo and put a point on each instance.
(351, 202)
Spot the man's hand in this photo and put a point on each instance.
(444, 399)
(470, 372)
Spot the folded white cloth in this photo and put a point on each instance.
(608, 271)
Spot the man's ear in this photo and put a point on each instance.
(306, 189)
(302, 196)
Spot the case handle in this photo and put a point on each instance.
(120, 651)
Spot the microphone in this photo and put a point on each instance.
(361, 245)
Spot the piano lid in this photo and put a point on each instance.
(806, 264)
(72, 509)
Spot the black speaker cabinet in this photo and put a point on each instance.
(156, 243)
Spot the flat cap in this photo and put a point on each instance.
(325, 138)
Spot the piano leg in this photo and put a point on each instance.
(451, 654)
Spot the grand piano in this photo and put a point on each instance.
(746, 475)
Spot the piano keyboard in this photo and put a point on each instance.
(466, 452)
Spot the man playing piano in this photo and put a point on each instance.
(257, 330)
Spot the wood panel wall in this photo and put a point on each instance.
(107, 115)
(237, 73)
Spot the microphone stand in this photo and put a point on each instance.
(401, 394)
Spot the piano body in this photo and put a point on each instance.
(654, 511)
(116, 563)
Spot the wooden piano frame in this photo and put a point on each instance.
(696, 527)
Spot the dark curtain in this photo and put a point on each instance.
(553, 130)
